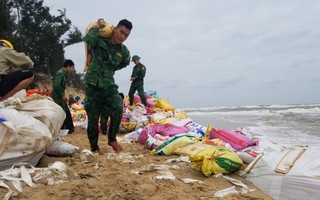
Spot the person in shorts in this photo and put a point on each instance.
(15, 70)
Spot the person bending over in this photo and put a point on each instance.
(15, 73)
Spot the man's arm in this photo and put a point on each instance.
(125, 62)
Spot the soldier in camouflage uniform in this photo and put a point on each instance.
(138, 73)
(58, 92)
(102, 96)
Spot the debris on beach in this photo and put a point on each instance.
(163, 131)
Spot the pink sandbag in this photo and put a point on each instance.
(143, 136)
(168, 129)
(136, 99)
(148, 96)
(236, 139)
(151, 102)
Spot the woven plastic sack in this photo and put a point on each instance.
(170, 146)
(236, 139)
(215, 160)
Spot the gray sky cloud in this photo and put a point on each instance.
(212, 53)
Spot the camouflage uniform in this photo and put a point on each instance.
(102, 94)
(57, 94)
(138, 72)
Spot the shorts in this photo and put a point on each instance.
(11, 80)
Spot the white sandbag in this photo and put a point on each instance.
(59, 148)
(48, 112)
(301, 180)
(21, 135)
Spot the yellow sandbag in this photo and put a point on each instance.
(170, 146)
(129, 126)
(105, 32)
(215, 160)
(164, 105)
(76, 107)
(217, 142)
(191, 149)
(181, 115)
(81, 112)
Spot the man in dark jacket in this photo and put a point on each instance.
(138, 74)
(58, 92)
(102, 96)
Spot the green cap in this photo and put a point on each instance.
(135, 57)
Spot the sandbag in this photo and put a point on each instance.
(170, 146)
(21, 135)
(165, 105)
(38, 91)
(236, 139)
(48, 112)
(60, 148)
(105, 32)
(168, 129)
(215, 160)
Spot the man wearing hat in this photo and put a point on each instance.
(138, 73)
(15, 70)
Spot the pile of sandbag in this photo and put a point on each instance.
(28, 126)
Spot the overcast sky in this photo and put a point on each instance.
(208, 53)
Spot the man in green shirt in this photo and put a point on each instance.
(102, 96)
(58, 92)
(138, 74)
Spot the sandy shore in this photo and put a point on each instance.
(115, 180)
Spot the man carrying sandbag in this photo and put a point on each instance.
(137, 76)
(102, 96)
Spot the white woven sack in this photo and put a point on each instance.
(21, 134)
(48, 112)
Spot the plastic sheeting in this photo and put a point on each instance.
(301, 182)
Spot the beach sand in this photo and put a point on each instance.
(115, 180)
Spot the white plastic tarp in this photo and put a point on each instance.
(302, 180)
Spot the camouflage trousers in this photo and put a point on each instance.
(99, 102)
(137, 86)
(68, 123)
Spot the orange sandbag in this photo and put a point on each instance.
(38, 91)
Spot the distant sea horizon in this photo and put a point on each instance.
(288, 124)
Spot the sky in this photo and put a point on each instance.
(212, 53)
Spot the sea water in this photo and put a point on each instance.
(288, 125)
